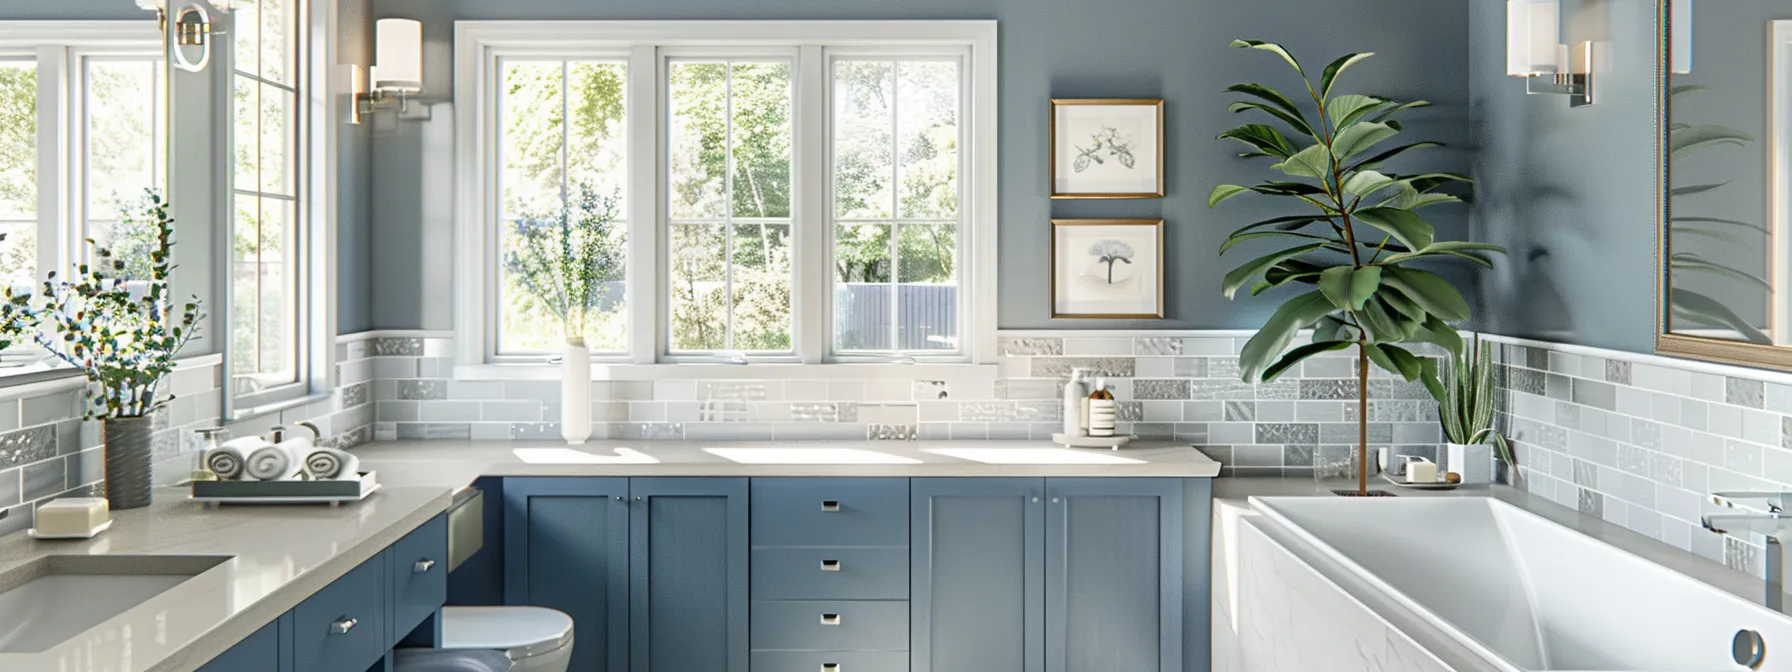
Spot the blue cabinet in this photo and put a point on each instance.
(1113, 574)
(418, 567)
(978, 564)
(343, 626)
(566, 547)
(687, 575)
(259, 652)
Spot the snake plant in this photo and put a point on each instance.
(1465, 393)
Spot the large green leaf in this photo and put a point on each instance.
(1347, 110)
(1359, 138)
(1701, 309)
(1366, 182)
(1410, 229)
(1435, 332)
(1688, 139)
(1686, 88)
(1383, 157)
(1238, 238)
(1336, 68)
(1270, 47)
(1428, 181)
(1223, 192)
(1269, 342)
(1409, 198)
(1389, 112)
(1401, 305)
(1684, 219)
(1265, 138)
(1382, 325)
(1289, 223)
(1348, 286)
(1274, 97)
(1443, 248)
(1697, 189)
(1300, 354)
(1314, 161)
(1330, 328)
(1251, 268)
(1687, 261)
(1429, 290)
(1293, 269)
(1294, 120)
(1394, 358)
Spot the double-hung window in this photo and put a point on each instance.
(801, 192)
(82, 145)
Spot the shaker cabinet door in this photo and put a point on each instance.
(977, 575)
(566, 548)
(688, 574)
(1113, 575)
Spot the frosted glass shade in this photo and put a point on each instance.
(1533, 30)
(398, 57)
(1681, 37)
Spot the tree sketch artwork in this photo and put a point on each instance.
(1107, 145)
(1109, 251)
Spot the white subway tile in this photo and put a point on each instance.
(1079, 346)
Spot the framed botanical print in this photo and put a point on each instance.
(1107, 148)
(1107, 268)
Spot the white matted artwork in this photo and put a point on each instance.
(1107, 268)
(1107, 148)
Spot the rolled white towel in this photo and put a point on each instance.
(277, 462)
(230, 460)
(330, 464)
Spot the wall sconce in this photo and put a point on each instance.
(1534, 51)
(1680, 36)
(192, 26)
(397, 72)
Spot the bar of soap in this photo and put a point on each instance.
(71, 516)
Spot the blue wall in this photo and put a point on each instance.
(1175, 49)
(1571, 192)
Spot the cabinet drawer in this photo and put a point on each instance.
(830, 661)
(830, 625)
(419, 576)
(796, 573)
(830, 512)
(341, 627)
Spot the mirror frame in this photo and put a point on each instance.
(1666, 343)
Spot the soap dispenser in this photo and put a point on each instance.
(1104, 412)
(1074, 394)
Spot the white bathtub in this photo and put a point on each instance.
(1524, 593)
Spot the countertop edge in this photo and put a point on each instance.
(270, 608)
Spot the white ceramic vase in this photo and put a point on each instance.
(575, 392)
(1473, 462)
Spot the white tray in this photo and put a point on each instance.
(216, 493)
(1113, 442)
(96, 531)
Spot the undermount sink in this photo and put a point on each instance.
(818, 455)
(57, 597)
(1033, 456)
(575, 456)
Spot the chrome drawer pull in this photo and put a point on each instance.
(830, 505)
(831, 667)
(830, 565)
(830, 619)
(343, 626)
(423, 565)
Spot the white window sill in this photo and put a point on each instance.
(600, 372)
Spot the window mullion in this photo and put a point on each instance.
(811, 186)
(646, 265)
(53, 239)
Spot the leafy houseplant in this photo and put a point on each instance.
(1699, 308)
(123, 337)
(1465, 394)
(1354, 247)
(15, 312)
(564, 262)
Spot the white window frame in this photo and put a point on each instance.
(479, 44)
(60, 49)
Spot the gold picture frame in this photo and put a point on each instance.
(1061, 184)
(1150, 276)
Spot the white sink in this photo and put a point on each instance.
(575, 456)
(57, 597)
(818, 455)
(1033, 456)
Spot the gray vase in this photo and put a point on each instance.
(128, 457)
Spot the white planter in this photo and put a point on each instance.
(575, 392)
(1473, 462)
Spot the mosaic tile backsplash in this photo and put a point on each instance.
(1641, 440)
(47, 451)
(1181, 387)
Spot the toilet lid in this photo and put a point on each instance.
(521, 631)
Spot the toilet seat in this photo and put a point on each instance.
(522, 632)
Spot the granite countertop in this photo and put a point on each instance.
(279, 555)
(457, 463)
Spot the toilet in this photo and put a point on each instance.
(536, 639)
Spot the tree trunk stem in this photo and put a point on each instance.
(1362, 416)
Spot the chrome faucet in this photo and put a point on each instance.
(1763, 512)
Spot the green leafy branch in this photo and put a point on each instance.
(564, 260)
